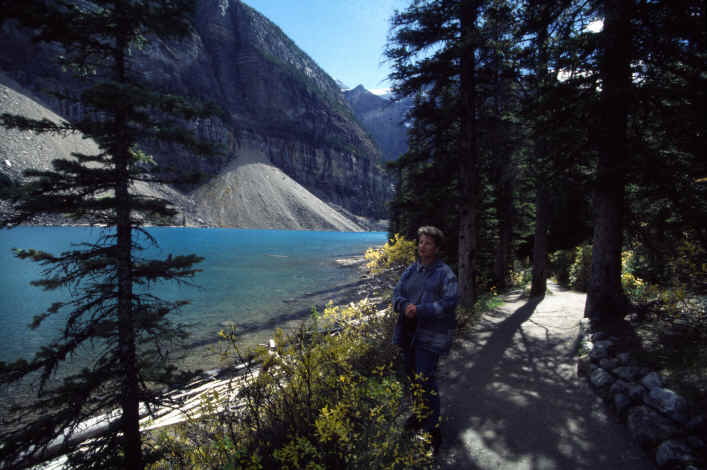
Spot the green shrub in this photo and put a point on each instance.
(521, 276)
(580, 272)
(688, 274)
(317, 401)
(560, 262)
(396, 253)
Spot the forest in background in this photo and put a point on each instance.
(547, 129)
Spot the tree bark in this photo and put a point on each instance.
(542, 199)
(130, 388)
(542, 221)
(504, 209)
(504, 175)
(468, 165)
(606, 301)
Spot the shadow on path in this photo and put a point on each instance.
(512, 400)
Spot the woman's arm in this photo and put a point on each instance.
(400, 295)
(447, 301)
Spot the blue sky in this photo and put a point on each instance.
(345, 37)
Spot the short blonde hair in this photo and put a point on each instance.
(433, 232)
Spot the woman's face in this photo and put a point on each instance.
(427, 248)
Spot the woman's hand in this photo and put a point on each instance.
(410, 311)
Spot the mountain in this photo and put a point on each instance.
(295, 155)
(382, 118)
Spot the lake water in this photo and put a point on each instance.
(256, 279)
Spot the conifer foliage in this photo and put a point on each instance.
(111, 312)
(528, 113)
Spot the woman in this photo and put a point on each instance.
(425, 299)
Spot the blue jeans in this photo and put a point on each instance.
(421, 367)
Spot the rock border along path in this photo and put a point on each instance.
(661, 421)
(512, 399)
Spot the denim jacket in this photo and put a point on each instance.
(434, 291)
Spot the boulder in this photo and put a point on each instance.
(624, 358)
(697, 425)
(601, 350)
(609, 363)
(696, 443)
(652, 380)
(587, 345)
(621, 404)
(648, 427)
(669, 403)
(599, 336)
(629, 373)
(601, 380)
(584, 365)
(633, 391)
(673, 453)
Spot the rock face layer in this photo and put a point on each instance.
(278, 106)
(382, 118)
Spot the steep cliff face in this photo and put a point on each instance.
(275, 99)
(383, 119)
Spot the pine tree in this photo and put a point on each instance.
(605, 298)
(111, 309)
(666, 190)
(448, 51)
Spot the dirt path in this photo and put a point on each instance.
(512, 400)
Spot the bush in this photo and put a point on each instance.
(317, 401)
(688, 274)
(521, 278)
(396, 253)
(560, 262)
(580, 272)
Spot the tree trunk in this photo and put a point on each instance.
(504, 209)
(504, 177)
(606, 301)
(468, 166)
(542, 163)
(130, 387)
(542, 221)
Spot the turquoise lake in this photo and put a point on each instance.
(258, 280)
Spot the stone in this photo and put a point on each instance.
(669, 403)
(648, 427)
(636, 392)
(696, 443)
(624, 358)
(621, 404)
(587, 345)
(608, 363)
(601, 380)
(629, 373)
(697, 425)
(584, 365)
(632, 390)
(599, 336)
(632, 317)
(652, 380)
(601, 350)
(584, 324)
(673, 453)
(620, 386)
